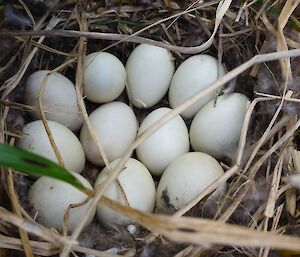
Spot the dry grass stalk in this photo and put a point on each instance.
(40, 248)
(190, 230)
(46, 48)
(45, 249)
(28, 12)
(43, 116)
(270, 208)
(198, 231)
(286, 98)
(296, 159)
(242, 142)
(283, 18)
(292, 43)
(238, 199)
(291, 201)
(264, 252)
(30, 227)
(12, 83)
(266, 132)
(221, 10)
(289, 134)
(291, 193)
(17, 210)
(206, 232)
(48, 249)
(2, 123)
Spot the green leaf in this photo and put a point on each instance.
(33, 164)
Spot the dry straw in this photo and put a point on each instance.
(198, 233)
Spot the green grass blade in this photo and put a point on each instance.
(33, 164)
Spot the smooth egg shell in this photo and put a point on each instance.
(149, 73)
(59, 99)
(115, 125)
(217, 127)
(35, 140)
(50, 199)
(194, 74)
(164, 145)
(138, 186)
(104, 77)
(184, 179)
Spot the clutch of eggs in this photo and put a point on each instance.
(147, 76)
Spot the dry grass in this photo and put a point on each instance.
(241, 35)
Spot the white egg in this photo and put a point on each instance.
(216, 129)
(50, 199)
(115, 125)
(165, 145)
(35, 140)
(149, 73)
(138, 187)
(184, 179)
(104, 77)
(59, 98)
(194, 74)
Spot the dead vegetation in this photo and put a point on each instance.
(259, 44)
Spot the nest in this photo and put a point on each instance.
(258, 43)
